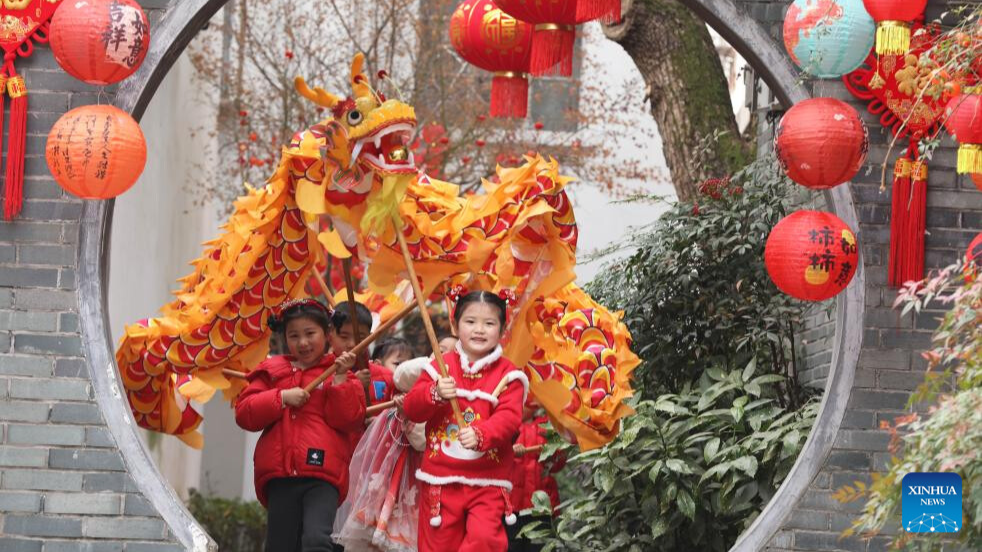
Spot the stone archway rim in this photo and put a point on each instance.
(182, 21)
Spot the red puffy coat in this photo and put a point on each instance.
(310, 441)
(495, 419)
(529, 474)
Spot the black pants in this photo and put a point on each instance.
(300, 515)
(516, 544)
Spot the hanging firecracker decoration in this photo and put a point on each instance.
(553, 33)
(100, 41)
(828, 38)
(96, 151)
(811, 255)
(964, 122)
(821, 143)
(24, 22)
(491, 39)
(893, 23)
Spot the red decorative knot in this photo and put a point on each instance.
(508, 296)
(456, 292)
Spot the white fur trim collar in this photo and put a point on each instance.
(519, 376)
(408, 372)
(469, 481)
(481, 363)
(468, 394)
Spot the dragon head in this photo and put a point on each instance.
(364, 149)
(367, 129)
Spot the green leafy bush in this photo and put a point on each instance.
(949, 438)
(235, 525)
(696, 292)
(690, 471)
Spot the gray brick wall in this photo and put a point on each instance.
(890, 363)
(63, 485)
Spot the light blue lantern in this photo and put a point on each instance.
(828, 38)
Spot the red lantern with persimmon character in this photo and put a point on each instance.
(964, 122)
(821, 143)
(96, 151)
(811, 255)
(893, 21)
(100, 41)
(491, 39)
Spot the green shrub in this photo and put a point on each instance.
(696, 292)
(949, 438)
(236, 525)
(690, 470)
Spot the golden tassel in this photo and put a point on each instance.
(892, 38)
(970, 158)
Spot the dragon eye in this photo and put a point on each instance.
(354, 117)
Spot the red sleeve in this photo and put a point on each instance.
(501, 428)
(259, 405)
(380, 374)
(419, 405)
(344, 405)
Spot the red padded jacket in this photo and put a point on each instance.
(310, 441)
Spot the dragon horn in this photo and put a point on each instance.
(359, 82)
(318, 95)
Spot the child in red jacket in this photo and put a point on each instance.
(464, 476)
(301, 459)
(531, 475)
(376, 379)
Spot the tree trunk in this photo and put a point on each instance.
(690, 100)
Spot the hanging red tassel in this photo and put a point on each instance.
(16, 136)
(552, 49)
(898, 219)
(607, 11)
(917, 223)
(908, 219)
(509, 94)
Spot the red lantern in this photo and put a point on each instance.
(964, 122)
(553, 34)
(974, 251)
(893, 21)
(821, 143)
(100, 41)
(491, 39)
(96, 151)
(811, 255)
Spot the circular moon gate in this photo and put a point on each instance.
(182, 21)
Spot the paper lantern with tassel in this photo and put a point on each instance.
(100, 41)
(964, 122)
(96, 151)
(893, 21)
(828, 38)
(553, 33)
(821, 143)
(491, 39)
(811, 255)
